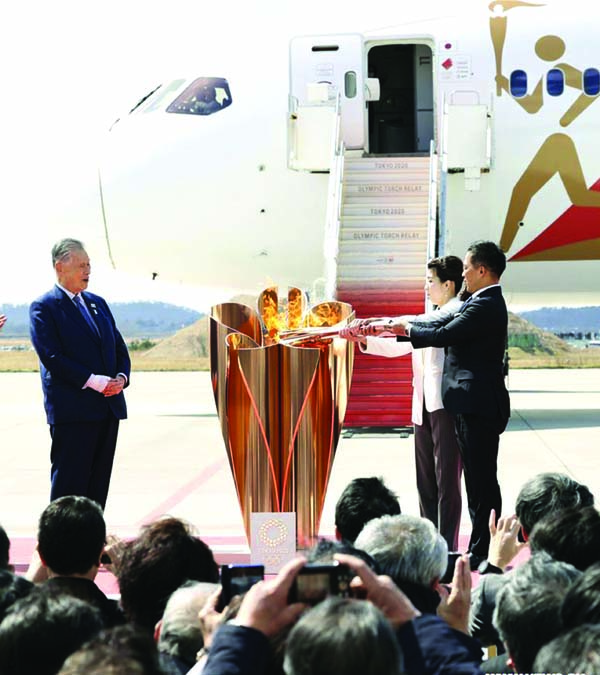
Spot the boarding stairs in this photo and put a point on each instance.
(385, 234)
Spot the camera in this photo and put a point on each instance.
(315, 582)
(236, 580)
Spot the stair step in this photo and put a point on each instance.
(362, 210)
(380, 261)
(370, 179)
(390, 264)
(368, 247)
(385, 163)
(413, 177)
(386, 198)
(410, 221)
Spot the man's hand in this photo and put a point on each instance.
(387, 327)
(265, 606)
(456, 604)
(115, 386)
(353, 331)
(381, 591)
(356, 330)
(210, 618)
(114, 549)
(504, 543)
(502, 82)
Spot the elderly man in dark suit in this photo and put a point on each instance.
(84, 366)
(473, 388)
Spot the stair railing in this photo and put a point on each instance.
(335, 190)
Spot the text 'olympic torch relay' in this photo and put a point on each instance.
(281, 379)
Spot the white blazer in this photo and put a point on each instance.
(427, 363)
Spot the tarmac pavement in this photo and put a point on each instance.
(171, 456)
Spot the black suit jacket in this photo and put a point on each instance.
(70, 351)
(474, 340)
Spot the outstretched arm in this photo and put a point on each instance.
(574, 79)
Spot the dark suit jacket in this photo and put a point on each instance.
(474, 340)
(70, 351)
(483, 603)
(85, 589)
(238, 650)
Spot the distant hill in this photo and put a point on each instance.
(134, 319)
(565, 319)
(526, 337)
(189, 342)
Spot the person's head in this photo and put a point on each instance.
(325, 549)
(12, 588)
(40, 630)
(571, 535)
(362, 500)
(71, 536)
(208, 94)
(157, 562)
(407, 548)
(527, 613)
(179, 629)
(582, 601)
(483, 265)
(342, 636)
(547, 493)
(72, 265)
(575, 651)
(4, 549)
(123, 650)
(443, 279)
(550, 47)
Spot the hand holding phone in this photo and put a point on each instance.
(315, 582)
(236, 580)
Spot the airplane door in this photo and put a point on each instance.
(338, 61)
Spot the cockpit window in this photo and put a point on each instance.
(144, 99)
(205, 96)
(157, 99)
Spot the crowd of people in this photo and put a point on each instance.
(403, 601)
(542, 614)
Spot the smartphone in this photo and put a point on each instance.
(236, 580)
(453, 556)
(315, 582)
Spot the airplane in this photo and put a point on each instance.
(474, 120)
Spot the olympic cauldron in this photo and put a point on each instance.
(281, 379)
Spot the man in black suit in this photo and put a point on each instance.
(84, 366)
(473, 388)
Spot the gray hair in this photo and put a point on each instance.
(180, 633)
(64, 248)
(407, 548)
(341, 635)
(527, 613)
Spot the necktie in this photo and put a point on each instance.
(78, 300)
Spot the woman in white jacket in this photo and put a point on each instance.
(437, 456)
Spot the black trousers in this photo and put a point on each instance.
(439, 468)
(478, 440)
(82, 456)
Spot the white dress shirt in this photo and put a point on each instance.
(427, 363)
